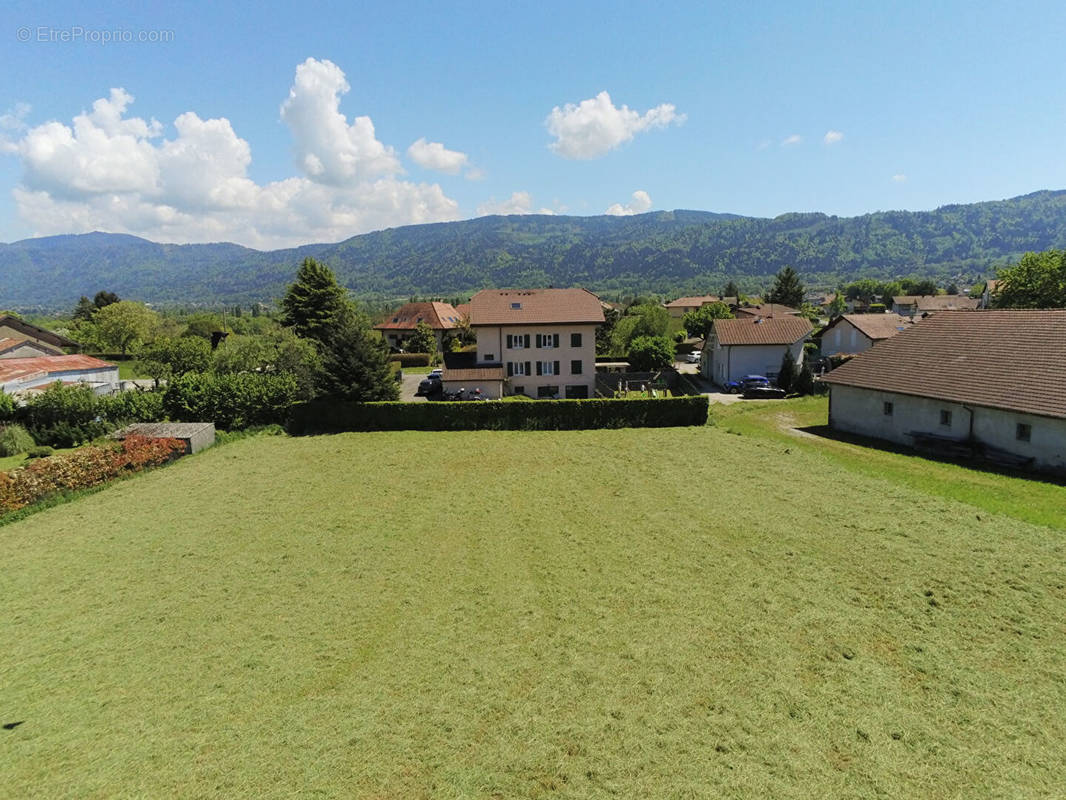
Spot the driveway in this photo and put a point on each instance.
(713, 392)
(408, 387)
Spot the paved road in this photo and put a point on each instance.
(715, 394)
(409, 385)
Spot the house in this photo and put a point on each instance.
(752, 346)
(912, 305)
(992, 288)
(992, 381)
(440, 317)
(765, 310)
(543, 340)
(25, 348)
(29, 374)
(12, 327)
(683, 305)
(855, 333)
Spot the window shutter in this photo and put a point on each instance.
(528, 370)
(510, 341)
(527, 340)
(538, 368)
(540, 340)
(510, 366)
(555, 340)
(556, 369)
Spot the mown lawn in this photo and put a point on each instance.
(642, 613)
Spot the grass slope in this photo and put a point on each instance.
(642, 613)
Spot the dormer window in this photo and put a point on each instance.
(516, 306)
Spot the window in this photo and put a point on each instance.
(575, 340)
(516, 306)
(1023, 432)
(547, 340)
(887, 409)
(577, 393)
(575, 366)
(547, 367)
(551, 392)
(516, 368)
(520, 390)
(517, 341)
(945, 417)
(490, 356)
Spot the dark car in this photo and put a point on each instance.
(747, 382)
(759, 392)
(430, 386)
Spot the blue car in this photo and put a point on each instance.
(748, 382)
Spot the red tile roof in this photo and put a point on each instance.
(14, 368)
(874, 326)
(761, 330)
(1014, 360)
(767, 310)
(438, 316)
(534, 307)
(693, 302)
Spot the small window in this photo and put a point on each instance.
(575, 340)
(490, 356)
(945, 417)
(551, 392)
(1023, 432)
(520, 390)
(575, 366)
(516, 306)
(887, 409)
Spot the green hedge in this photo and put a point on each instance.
(411, 359)
(335, 416)
(233, 401)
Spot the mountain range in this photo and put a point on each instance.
(663, 251)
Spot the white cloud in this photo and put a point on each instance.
(833, 137)
(791, 140)
(596, 126)
(899, 178)
(475, 174)
(641, 202)
(434, 155)
(519, 203)
(109, 171)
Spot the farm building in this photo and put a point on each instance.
(856, 333)
(988, 382)
(752, 346)
(31, 374)
(401, 323)
(12, 327)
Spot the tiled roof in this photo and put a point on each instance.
(938, 302)
(761, 330)
(9, 343)
(1014, 360)
(767, 310)
(534, 307)
(36, 332)
(463, 309)
(697, 301)
(473, 374)
(12, 369)
(438, 316)
(875, 326)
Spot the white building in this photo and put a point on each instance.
(990, 381)
(25, 374)
(752, 346)
(544, 339)
(856, 333)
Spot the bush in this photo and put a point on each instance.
(82, 469)
(334, 416)
(64, 416)
(40, 452)
(135, 406)
(647, 353)
(14, 439)
(7, 407)
(232, 401)
(411, 359)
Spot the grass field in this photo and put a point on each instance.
(731, 611)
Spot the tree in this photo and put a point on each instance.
(314, 303)
(787, 375)
(838, 306)
(646, 319)
(805, 380)
(167, 358)
(953, 288)
(698, 322)
(84, 310)
(648, 353)
(605, 332)
(102, 299)
(355, 362)
(731, 290)
(787, 289)
(423, 340)
(1038, 280)
(124, 324)
(279, 351)
(918, 286)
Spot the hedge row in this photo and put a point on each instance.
(411, 359)
(232, 401)
(335, 416)
(82, 469)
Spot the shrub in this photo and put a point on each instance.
(411, 359)
(232, 401)
(332, 416)
(134, 406)
(14, 439)
(648, 353)
(7, 407)
(40, 452)
(63, 416)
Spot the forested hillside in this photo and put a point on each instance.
(667, 252)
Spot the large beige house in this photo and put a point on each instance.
(993, 382)
(401, 323)
(543, 341)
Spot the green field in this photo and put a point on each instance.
(739, 610)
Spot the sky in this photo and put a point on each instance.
(277, 127)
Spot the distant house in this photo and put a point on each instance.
(855, 333)
(14, 328)
(24, 348)
(913, 305)
(401, 323)
(752, 346)
(989, 294)
(542, 340)
(20, 375)
(683, 305)
(765, 310)
(992, 381)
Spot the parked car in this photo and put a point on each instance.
(758, 392)
(693, 357)
(429, 386)
(747, 382)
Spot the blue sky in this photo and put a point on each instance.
(763, 109)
